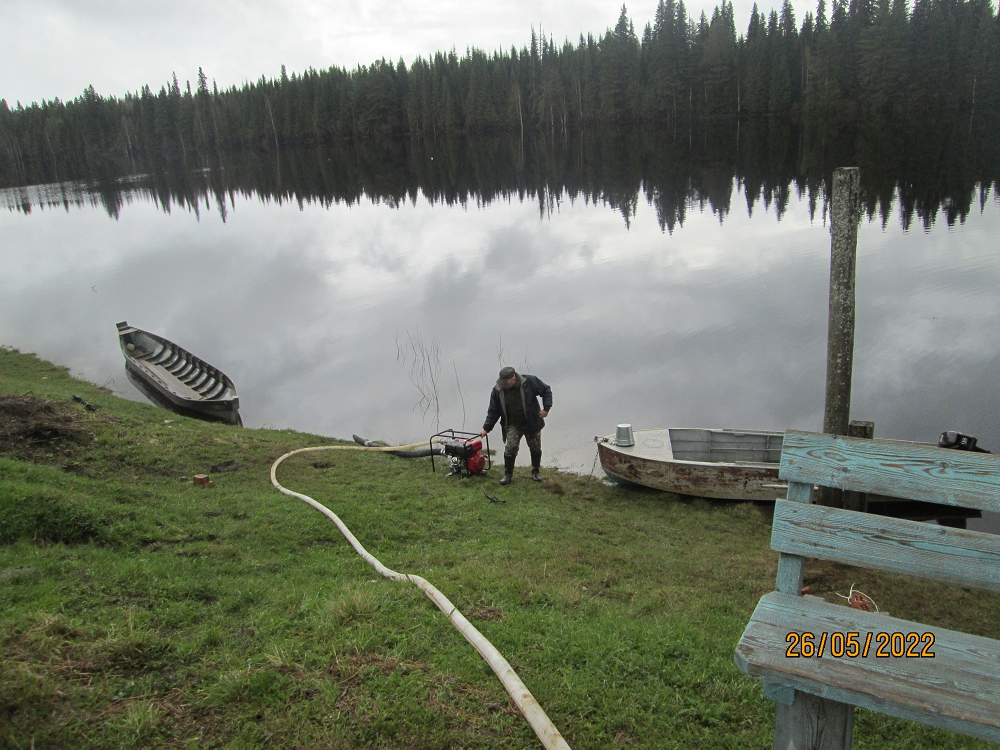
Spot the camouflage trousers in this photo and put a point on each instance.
(513, 441)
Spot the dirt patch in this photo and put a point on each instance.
(486, 613)
(555, 485)
(30, 425)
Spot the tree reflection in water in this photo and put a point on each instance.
(932, 168)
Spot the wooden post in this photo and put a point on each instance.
(858, 500)
(813, 723)
(857, 428)
(844, 215)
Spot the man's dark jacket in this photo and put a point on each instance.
(531, 388)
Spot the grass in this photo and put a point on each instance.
(137, 610)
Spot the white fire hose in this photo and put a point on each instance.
(550, 737)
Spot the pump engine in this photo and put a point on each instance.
(463, 451)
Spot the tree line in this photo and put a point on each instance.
(856, 61)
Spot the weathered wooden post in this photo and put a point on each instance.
(858, 500)
(845, 210)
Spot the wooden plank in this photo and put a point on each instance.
(813, 723)
(800, 493)
(790, 571)
(170, 381)
(956, 690)
(965, 558)
(907, 470)
(779, 693)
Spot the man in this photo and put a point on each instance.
(514, 402)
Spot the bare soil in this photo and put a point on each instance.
(30, 425)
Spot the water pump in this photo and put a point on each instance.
(463, 451)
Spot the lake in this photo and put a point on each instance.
(317, 307)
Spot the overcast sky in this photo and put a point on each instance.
(52, 48)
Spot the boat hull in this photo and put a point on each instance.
(225, 414)
(665, 460)
(173, 378)
(651, 462)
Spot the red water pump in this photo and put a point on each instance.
(463, 451)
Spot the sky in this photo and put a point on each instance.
(56, 48)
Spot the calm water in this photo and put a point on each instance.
(721, 323)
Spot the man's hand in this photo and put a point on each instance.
(482, 433)
(543, 414)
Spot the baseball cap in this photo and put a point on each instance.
(506, 374)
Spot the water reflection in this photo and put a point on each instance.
(909, 172)
(713, 325)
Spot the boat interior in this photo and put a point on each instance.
(207, 382)
(726, 446)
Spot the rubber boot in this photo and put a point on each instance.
(508, 469)
(536, 465)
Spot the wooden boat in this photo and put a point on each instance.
(718, 464)
(172, 377)
(734, 465)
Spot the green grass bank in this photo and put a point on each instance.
(138, 610)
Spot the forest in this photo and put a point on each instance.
(856, 63)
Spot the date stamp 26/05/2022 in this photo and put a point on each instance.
(849, 644)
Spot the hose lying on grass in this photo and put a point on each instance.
(550, 737)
